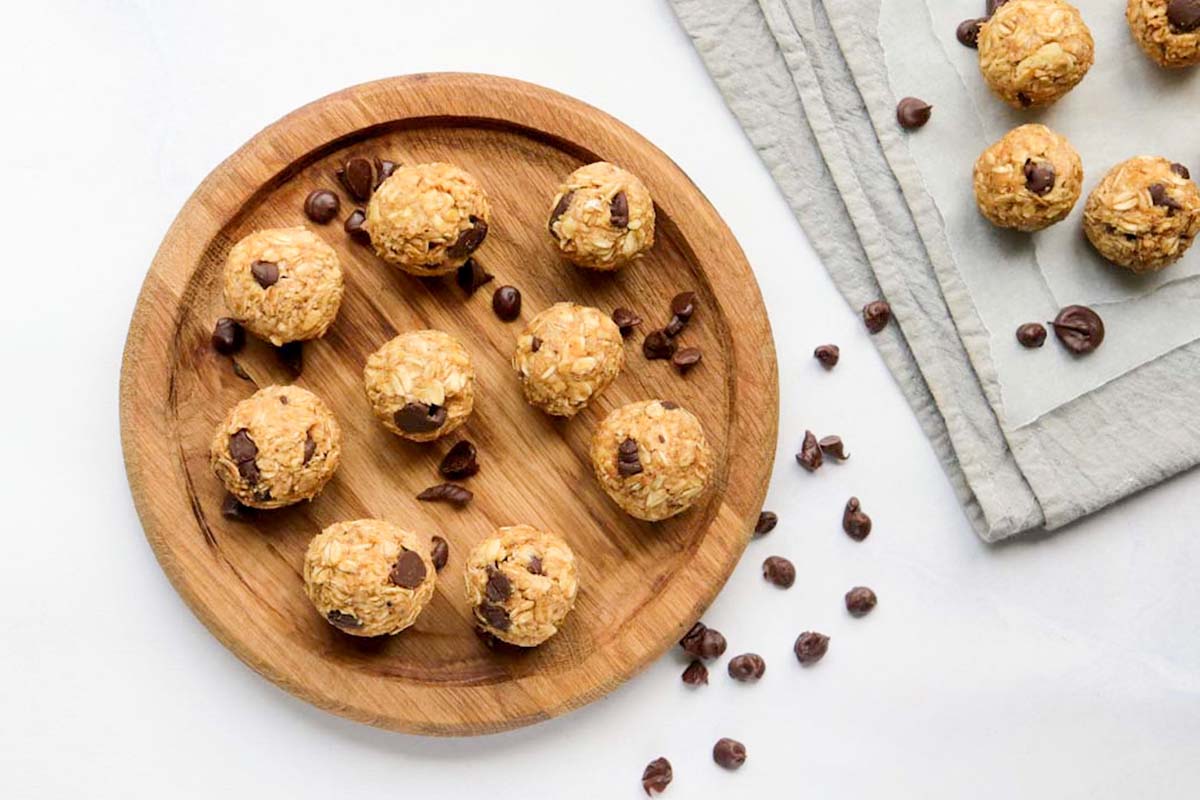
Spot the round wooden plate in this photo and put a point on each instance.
(642, 584)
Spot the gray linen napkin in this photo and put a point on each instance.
(808, 81)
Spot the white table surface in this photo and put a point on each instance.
(1063, 666)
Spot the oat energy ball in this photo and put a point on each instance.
(1144, 214)
(284, 284)
(369, 577)
(652, 459)
(428, 219)
(1168, 30)
(279, 446)
(521, 583)
(567, 355)
(1032, 52)
(602, 217)
(1029, 179)
(421, 384)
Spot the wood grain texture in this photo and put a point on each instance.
(642, 584)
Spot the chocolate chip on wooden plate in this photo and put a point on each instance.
(860, 600)
(855, 522)
(628, 462)
(747, 667)
(729, 753)
(912, 112)
(460, 461)
(779, 571)
(876, 315)
(828, 355)
(1031, 334)
(409, 570)
(439, 552)
(228, 336)
(1079, 328)
(810, 456)
(291, 356)
(234, 509)
(506, 303)
(446, 493)
(657, 776)
(703, 642)
(266, 273)
(383, 170)
(471, 276)
(675, 326)
(354, 226)
(321, 206)
(420, 417)
(833, 446)
(810, 647)
(658, 345)
(625, 320)
(967, 32)
(357, 176)
(696, 673)
(767, 520)
(685, 358)
(683, 305)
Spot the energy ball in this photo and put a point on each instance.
(1032, 52)
(283, 284)
(421, 385)
(567, 355)
(1029, 179)
(369, 577)
(277, 447)
(1168, 30)
(521, 583)
(1144, 214)
(602, 217)
(428, 219)
(652, 459)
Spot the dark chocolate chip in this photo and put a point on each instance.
(811, 647)
(696, 673)
(266, 273)
(685, 358)
(833, 446)
(618, 213)
(625, 320)
(1181, 171)
(357, 176)
(494, 616)
(810, 456)
(506, 302)
(1024, 99)
(860, 600)
(340, 619)
(242, 447)
(560, 208)
(409, 570)
(234, 509)
(283, 400)
(228, 336)
(967, 32)
(1184, 15)
(1039, 176)
(310, 446)
(383, 170)
(459, 462)
(747, 667)
(469, 240)
(657, 776)
(703, 642)
(683, 305)
(675, 326)
(729, 753)
(446, 493)
(992, 5)
(658, 345)
(828, 355)
(855, 522)
(499, 587)
(471, 276)
(291, 355)
(767, 520)
(668, 405)
(535, 344)
(876, 315)
(1079, 328)
(439, 552)
(420, 418)
(1159, 197)
(535, 565)
(912, 113)
(354, 226)
(1031, 334)
(628, 462)
(321, 205)
(779, 571)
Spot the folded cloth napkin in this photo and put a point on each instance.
(808, 80)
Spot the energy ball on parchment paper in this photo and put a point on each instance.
(279, 446)
(427, 219)
(1029, 179)
(652, 459)
(421, 384)
(369, 577)
(1032, 52)
(1144, 214)
(1168, 30)
(602, 217)
(521, 583)
(567, 355)
(283, 284)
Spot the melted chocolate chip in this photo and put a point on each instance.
(459, 462)
(619, 211)
(779, 571)
(560, 208)
(1079, 328)
(439, 552)
(876, 315)
(855, 522)
(625, 320)
(409, 570)
(913, 113)
(469, 240)
(321, 206)
(811, 647)
(810, 456)
(266, 273)
(860, 600)
(447, 493)
(696, 673)
(828, 355)
(657, 776)
(471, 276)
(747, 667)
(499, 587)
(1031, 334)
(729, 753)
(1039, 176)
(628, 462)
(228, 336)
(420, 418)
(766, 523)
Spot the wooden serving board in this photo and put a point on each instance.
(642, 584)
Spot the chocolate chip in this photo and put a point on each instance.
(729, 753)
(657, 776)
(560, 208)
(1079, 328)
(1039, 176)
(535, 565)
(291, 355)
(495, 616)
(1184, 15)
(383, 170)
(1181, 171)
(876, 315)
(471, 276)
(321, 205)
(535, 344)
(628, 462)
(506, 302)
(811, 647)
(625, 320)
(912, 113)
(499, 587)
(310, 446)
(675, 326)
(420, 418)
(357, 175)
(1031, 334)
(779, 571)
(1024, 99)
(469, 240)
(685, 358)
(668, 405)
(266, 273)
(828, 355)
(967, 32)
(446, 493)
(242, 447)
(439, 552)
(228, 336)
(340, 619)
(459, 461)
(855, 522)
(409, 570)
(283, 400)
(992, 5)
(234, 509)
(767, 520)
(658, 345)
(860, 600)
(683, 305)
(618, 213)
(703, 642)
(747, 667)
(355, 228)
(833, 446)
(1159, 197)
(809, 456)
(696, 673)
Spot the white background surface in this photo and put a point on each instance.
(1061, 667)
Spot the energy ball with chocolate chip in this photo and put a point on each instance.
(1144, 214)
(279, 446)
(421, 384)
(1032, 52)
(283, 284)
(602, 217)
(428, 219)
(567, 355)
(369, 577)
(652, 459)
(1029, 179)
(1168, 30)
(521, 584)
